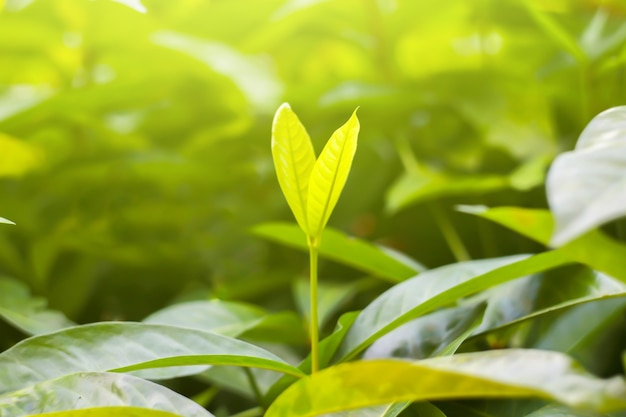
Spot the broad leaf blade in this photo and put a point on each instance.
(96, 389)
(348, 250)
(95, 347)
(28, 313)
(587, 187)
(294, 158)
(502, 373)
(109, 412)
(387, 410)
(424, 185)
(439, 333)
(329, 175)
(437, 288)
(234, 319)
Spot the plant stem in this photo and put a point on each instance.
(450, 235)
(313, 249)
(253, 385)
(252, 412)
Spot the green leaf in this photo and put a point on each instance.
(387, 410)
(335, 245)
(329, 175)
(328, 347)
(96, 389)
(438, 333)
(426, 409)
(586, 343)
(557, 33)
(566, 296)
(94, 347)
(593, 249)
(501, 373)
(294, 159)
(424, 185)
(585, 187)
(233, 319)
(556, 410)
(215, 316)
(27, 313)
(109, 412)
(17, 157)
(437, 288)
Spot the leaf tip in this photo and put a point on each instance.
(6, 221)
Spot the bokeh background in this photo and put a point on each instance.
(135, 135)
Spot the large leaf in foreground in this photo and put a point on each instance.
(348, 250)
(294, 158)
(387, 410)
(29, 314)
(437, 288)
(500, 373)
(97, 347)
(109, 412)
(434, 334)
(587, 186)
(96, 389)
(329, 175)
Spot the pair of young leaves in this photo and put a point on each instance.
(311, 186)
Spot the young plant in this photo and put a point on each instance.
(312, 187)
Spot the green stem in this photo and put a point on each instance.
(585, 100)
(252, 412)
(313, 249)
(253, 385)
(406, 154)
(450, 235)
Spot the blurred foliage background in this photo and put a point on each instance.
(135, 136)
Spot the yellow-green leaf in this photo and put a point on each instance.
(512, 373)
(17, 157)
(109, 412)
(294, 158)
(6, 221)
(329, 175)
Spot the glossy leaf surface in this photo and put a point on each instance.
(587, 186)
(95, 347)
(27, 313)
(389, 410)
(294, 159)
(504, 373)
(109, 412)
(96, 389)
(430, 335)
(437, 288)
(329, 175)
(233, 319)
